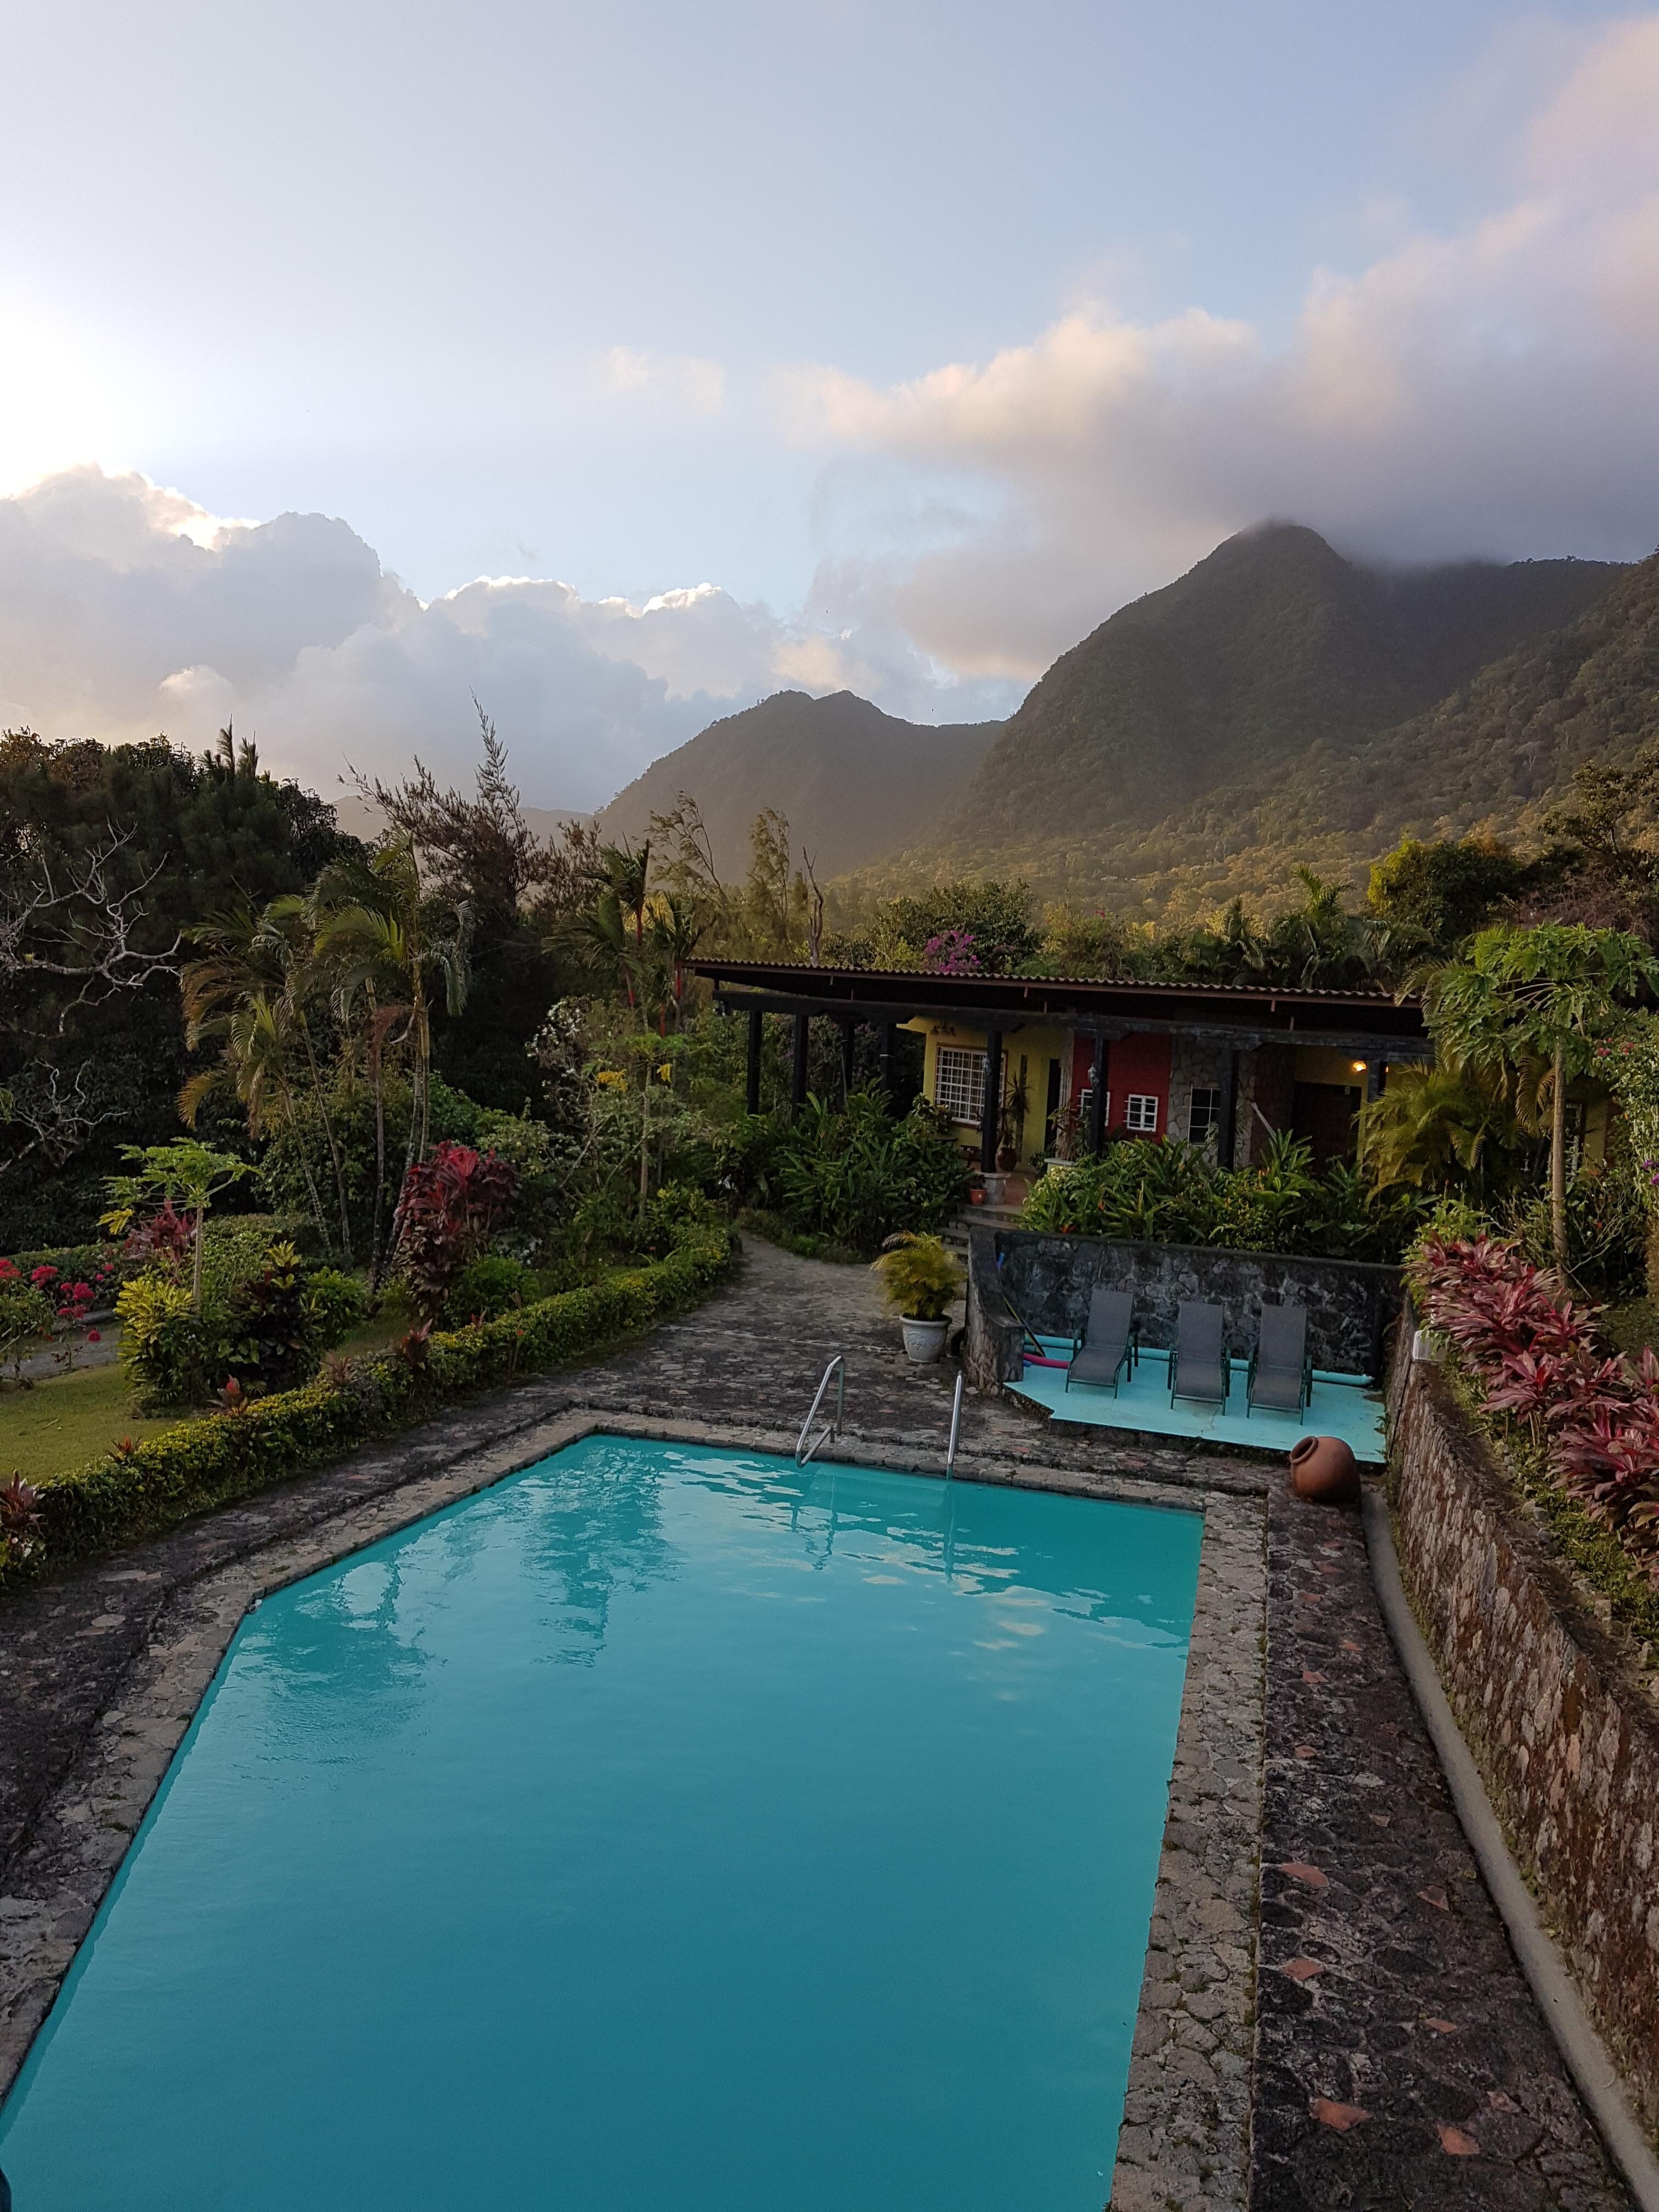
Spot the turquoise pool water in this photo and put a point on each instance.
(662, 1827)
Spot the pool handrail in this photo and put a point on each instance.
(956, 1425)
(804, 1451)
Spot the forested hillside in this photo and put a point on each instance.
(852, 782)
(1279, 705)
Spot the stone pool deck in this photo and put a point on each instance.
(1383, 2051)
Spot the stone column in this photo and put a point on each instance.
(988, 1118)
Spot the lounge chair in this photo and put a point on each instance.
(1198, 1365)
(1108, 1342)
(1281, 1367)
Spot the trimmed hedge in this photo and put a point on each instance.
(222, 1456)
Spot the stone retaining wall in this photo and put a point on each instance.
(1562, 1723)
(1350, 1304)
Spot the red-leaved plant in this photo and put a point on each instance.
(448, 1205)
(1537, 1356)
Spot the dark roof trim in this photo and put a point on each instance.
(987, 1002)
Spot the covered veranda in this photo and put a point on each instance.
(1248, 1042)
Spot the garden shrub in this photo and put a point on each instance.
(104, 1266)
(1537, 1358)
(301, 1139)
(26, 1317)
(168, 1351)
(854, 1176)
(450, 1204)
(673, 1213)
(489, 1286)
(1141, 1189)
(150, 1486)
(267, 1340)
(334, 1305)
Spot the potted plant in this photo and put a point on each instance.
(921, 1280)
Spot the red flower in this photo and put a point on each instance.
(94, 1336)
(42, 1276)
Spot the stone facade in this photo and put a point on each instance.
(1049, 1279)
(1196, 1063)
(1562, 1722)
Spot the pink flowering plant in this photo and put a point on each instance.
(1535, 1355)
(952, 952)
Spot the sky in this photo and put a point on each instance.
(619, 366)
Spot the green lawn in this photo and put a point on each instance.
(381, 1331)
(1633, 1327)
(64, 1423)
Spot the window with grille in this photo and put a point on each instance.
(959, 1084)
(1141, 1115)
(1203, 1116)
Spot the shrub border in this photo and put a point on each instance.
(126, 1496)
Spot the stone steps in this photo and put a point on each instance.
(954, 1234)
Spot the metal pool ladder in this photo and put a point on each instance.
(956, 1426)
(803, 1450)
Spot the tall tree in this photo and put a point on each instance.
(385, 926)
(1544, 994)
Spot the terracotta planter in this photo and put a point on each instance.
(976, 1195)
(924, 1340)
(1007, 1159)
(1323, 1468)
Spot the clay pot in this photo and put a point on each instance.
(1323, 1468)
(976, 1195)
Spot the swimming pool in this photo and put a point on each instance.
(662, 1825)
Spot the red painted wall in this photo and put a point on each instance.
(1140, 1063)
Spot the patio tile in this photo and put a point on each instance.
(1342, 1406)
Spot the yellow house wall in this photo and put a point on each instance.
(1319, 1064)
(1037, 1043)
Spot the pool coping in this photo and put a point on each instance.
(1185, 2137)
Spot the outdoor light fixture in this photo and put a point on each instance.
(1360, 1066)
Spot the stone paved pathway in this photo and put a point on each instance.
(1401, 2059)
(1416, 2017)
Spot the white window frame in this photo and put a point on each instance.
(1140, 1114)
(959, 1089)
(1085, 1100)
(1212, 1122)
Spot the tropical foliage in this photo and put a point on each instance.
(1139, 1189)
(852, 1175)
(1525, 1011)
(1537, 1358)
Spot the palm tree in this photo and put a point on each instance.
(1430, 1127)
(248, 990)
(376, 925)
(672, 939)
(1525, 995)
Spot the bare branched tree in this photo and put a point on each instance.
(52, 1112)
(65, 919)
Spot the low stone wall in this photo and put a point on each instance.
(1562, 1724)
(1350, 1304)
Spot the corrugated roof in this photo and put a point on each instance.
(926, 977)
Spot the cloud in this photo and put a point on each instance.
(126, 609)
(1489, 390)
(681, 379)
